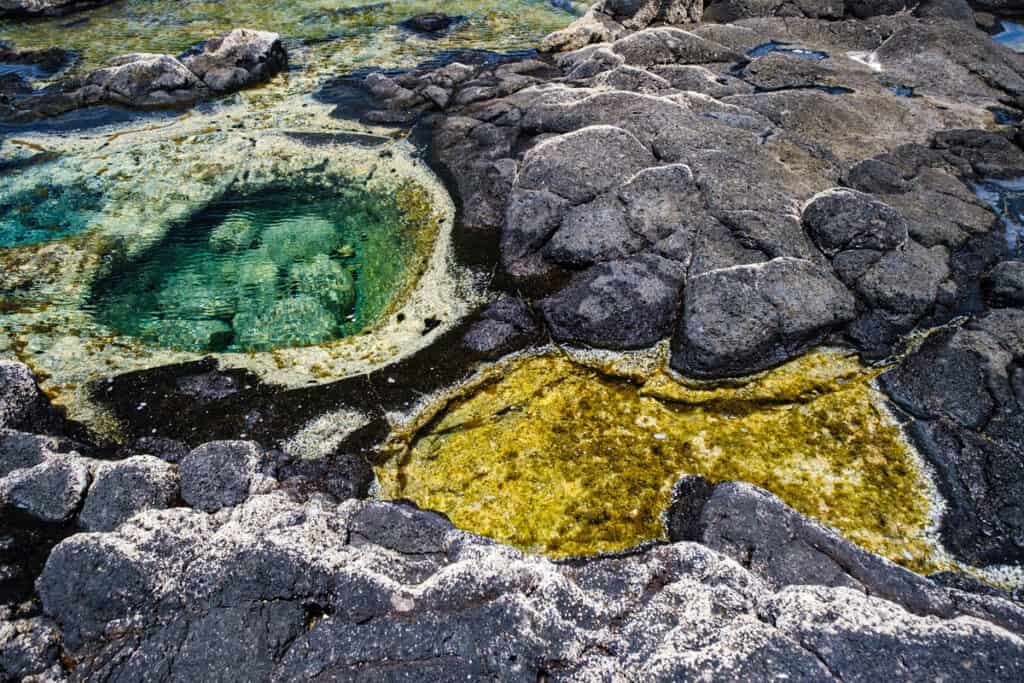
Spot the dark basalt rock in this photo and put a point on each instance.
(1005, 284)
(625, 304)
(748, 318)
(22, 404)
(388, 590)
(222, 474)
(50, 492)
(122, 489)
(28, 646)
(785, 548)
(842, 220)
(506, 325)
(962, 388)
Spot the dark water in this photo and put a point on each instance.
(284, 268)
(1006, 197)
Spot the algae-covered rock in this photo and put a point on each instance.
(296, 321)
(235, 233)
(299, 238)
(326, 280)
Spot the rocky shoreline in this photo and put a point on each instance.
(776, 177)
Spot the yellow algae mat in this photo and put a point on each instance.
(560, 458)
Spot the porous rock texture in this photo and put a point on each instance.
(237, 60)
(276, 590)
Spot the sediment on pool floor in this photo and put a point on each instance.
(556, 457)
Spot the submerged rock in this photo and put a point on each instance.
(431, 22)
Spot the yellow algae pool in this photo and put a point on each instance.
(559, 458)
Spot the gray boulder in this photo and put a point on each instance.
(51, 491)
(580, 165)
(840, 219)
(222, 474)
(748, 318)
(21, 402)
(240, 59)
(1005, 283)
(143, 80)
(624, 304)
(121, 489)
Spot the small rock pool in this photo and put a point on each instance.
(281, 268)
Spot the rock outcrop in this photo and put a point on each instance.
(45, 8)
(238, 60)
(288, 591)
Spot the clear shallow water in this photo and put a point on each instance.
(325, 37)
(785, 48)
(1011, 35)
(255, 273)
(48, 211)
(1006, 197)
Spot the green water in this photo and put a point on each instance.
(322, 36)
(48, 211)
(284, 268)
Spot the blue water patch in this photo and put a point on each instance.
(902, 91)
(1012, 35)
(46, 212)
(786, 48)
(1006, 197)
(1006, 117)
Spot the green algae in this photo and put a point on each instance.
(563, 459)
